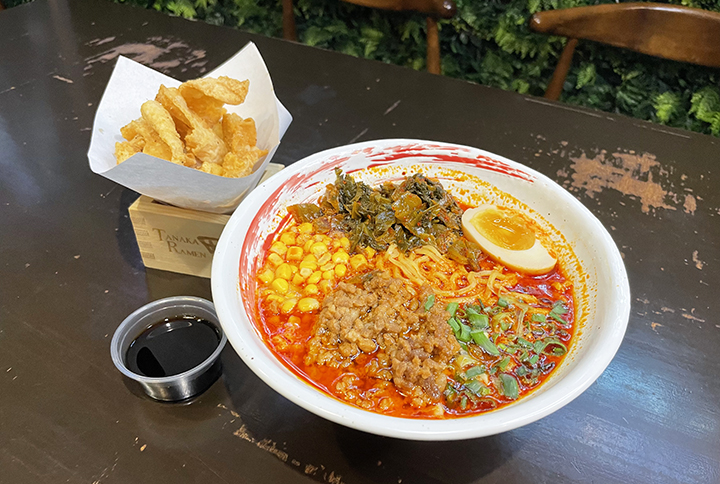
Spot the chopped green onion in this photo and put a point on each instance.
(524, 342)
(429, 302)
(482, 340)
(510, 386)
(478, 321)
(501, 320)
(474, 386)
(464, 334)
(462, 360)
(502, 302)
(463, 402)
(451, 308)
(533, 359)
(557, 311)
(521, 371)
(474, 371)
(470, 310)
(538, 318)
(454, 325)
(556, 348)
(503, 363)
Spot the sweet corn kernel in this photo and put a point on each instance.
(328, 266)
(308, 244)
(284, 271)
(288, 306)
(308, 304)
(305, 272)
(345, 243)
(267, 276)
(315, 277)
(298, 279)
(305, 228)
(274, 297)
(358, 261)
(325, 239)
(325, 285)
(309, 258)
(294, 253)
(280, 285)
(325, 258)
(294, 269)
(369, 252)
(279, 248)
(318, 237)
(336, 244)
(340, 270)
(318, 249)
(340, 257)
(328, 274)
(288, 238)
(306, 264)
(275, 259)
(294, 320)
(311, 289)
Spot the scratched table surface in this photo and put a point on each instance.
(70, 271)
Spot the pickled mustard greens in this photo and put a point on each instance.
(410, 214)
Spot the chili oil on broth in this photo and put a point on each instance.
(286, 332)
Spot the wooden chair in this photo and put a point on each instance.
(668, 31)
(434, 9)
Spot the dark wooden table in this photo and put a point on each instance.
(70, 271)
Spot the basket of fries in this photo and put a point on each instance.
(202, 144)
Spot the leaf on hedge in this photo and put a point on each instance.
(182, 8)
(666, 105)
(316, 36)
(715, 125)
(705, 104)
(586, 76)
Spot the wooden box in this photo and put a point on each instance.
(177, 239)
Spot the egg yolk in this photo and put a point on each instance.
(506, 230)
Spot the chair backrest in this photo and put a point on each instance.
(434, 9)
(668, 31)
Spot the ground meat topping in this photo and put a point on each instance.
(386, 317)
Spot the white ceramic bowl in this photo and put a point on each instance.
(602, 294)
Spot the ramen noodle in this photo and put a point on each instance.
(377, 297)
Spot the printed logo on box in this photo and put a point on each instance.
(191, 246)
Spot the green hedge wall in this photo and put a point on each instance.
(489, 42)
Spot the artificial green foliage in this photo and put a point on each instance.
(489, 42)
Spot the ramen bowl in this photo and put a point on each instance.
(590, 259)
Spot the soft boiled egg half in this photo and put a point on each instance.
(508, 238)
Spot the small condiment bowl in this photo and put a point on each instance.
(181, 386)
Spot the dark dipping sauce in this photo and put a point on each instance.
(172, 346)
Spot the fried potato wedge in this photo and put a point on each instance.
(161, 121)
(238, 132)
(190, 126)
(240, 164)
(223, 89)
(212, 168)
(123, 151)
